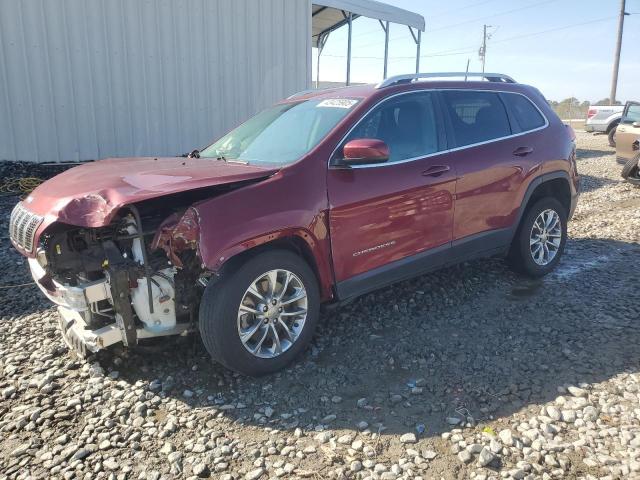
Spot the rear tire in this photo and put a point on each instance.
(536, 251)
(226, 305)
(631, 170)
(612, 136)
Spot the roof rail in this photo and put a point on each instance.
(410, 77)
(302, 92)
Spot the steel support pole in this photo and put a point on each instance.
(350, 23)
(318, 65)
(386, 49)
(418, 51)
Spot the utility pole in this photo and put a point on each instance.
(483, 49)
(616, 58)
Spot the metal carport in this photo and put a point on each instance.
(329, 15)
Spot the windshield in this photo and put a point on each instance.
(281, 134)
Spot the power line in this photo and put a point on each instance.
(457, 10)
(472, 48)
(466, 22)
(487, 17)
(527, 35)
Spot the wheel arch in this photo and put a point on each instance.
(300, 242)
(554, 184)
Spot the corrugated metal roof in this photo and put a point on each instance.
(327, 14)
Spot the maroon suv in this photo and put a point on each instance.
(325, 196)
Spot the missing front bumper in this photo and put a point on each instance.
(84, 342)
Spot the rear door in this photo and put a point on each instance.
(383, 214)
(628, 133)
(492, 157)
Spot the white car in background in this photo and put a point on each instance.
(604, 119)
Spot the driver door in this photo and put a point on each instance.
(391, 220)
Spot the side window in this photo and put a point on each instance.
(407, 124)
(631, 113)
(476, 116)
(526, 114)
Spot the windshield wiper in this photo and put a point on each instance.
(220, 155)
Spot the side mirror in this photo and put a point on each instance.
(364, 151)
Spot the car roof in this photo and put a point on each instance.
(370, 90)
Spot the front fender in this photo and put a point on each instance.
(292, 203)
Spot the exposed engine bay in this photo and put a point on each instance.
(111, 285)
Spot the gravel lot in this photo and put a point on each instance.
(472, 372)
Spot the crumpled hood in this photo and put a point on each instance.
(90, 194)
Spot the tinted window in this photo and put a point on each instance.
(526, 114)
(631, 114)
(476, 116)
(407, 124)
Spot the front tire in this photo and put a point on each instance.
(259, 318)
(540, 239)
(631, 171)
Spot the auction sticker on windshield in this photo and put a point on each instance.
(337, 103)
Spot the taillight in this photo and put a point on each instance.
(591, 112)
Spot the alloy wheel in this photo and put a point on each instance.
(545, 237)
(272, 313)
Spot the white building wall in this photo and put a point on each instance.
(88, 79)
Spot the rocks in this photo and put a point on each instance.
(485, 457)
(453, 420)
(20, 450)
(553, 413)
(328, 418)
(84, 452)
(323, 437)
(362, 425)
(345, 439)
(8, 392)
(201, 470)
(408, 438)
(589, 414)
(506, 437)
(577, 392)
(255, 474)
(465, 456)
(495, 446)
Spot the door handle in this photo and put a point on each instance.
(522, 151)
(435, 170)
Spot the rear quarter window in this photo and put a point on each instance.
(526, 115)
(476, 116)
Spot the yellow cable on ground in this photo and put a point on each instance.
(19, 185)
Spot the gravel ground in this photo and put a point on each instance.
(471, 372)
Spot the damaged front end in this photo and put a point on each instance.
(177, 234)
(133, 279)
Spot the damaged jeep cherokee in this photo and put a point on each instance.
(318, 199)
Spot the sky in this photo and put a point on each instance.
(563, 47)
